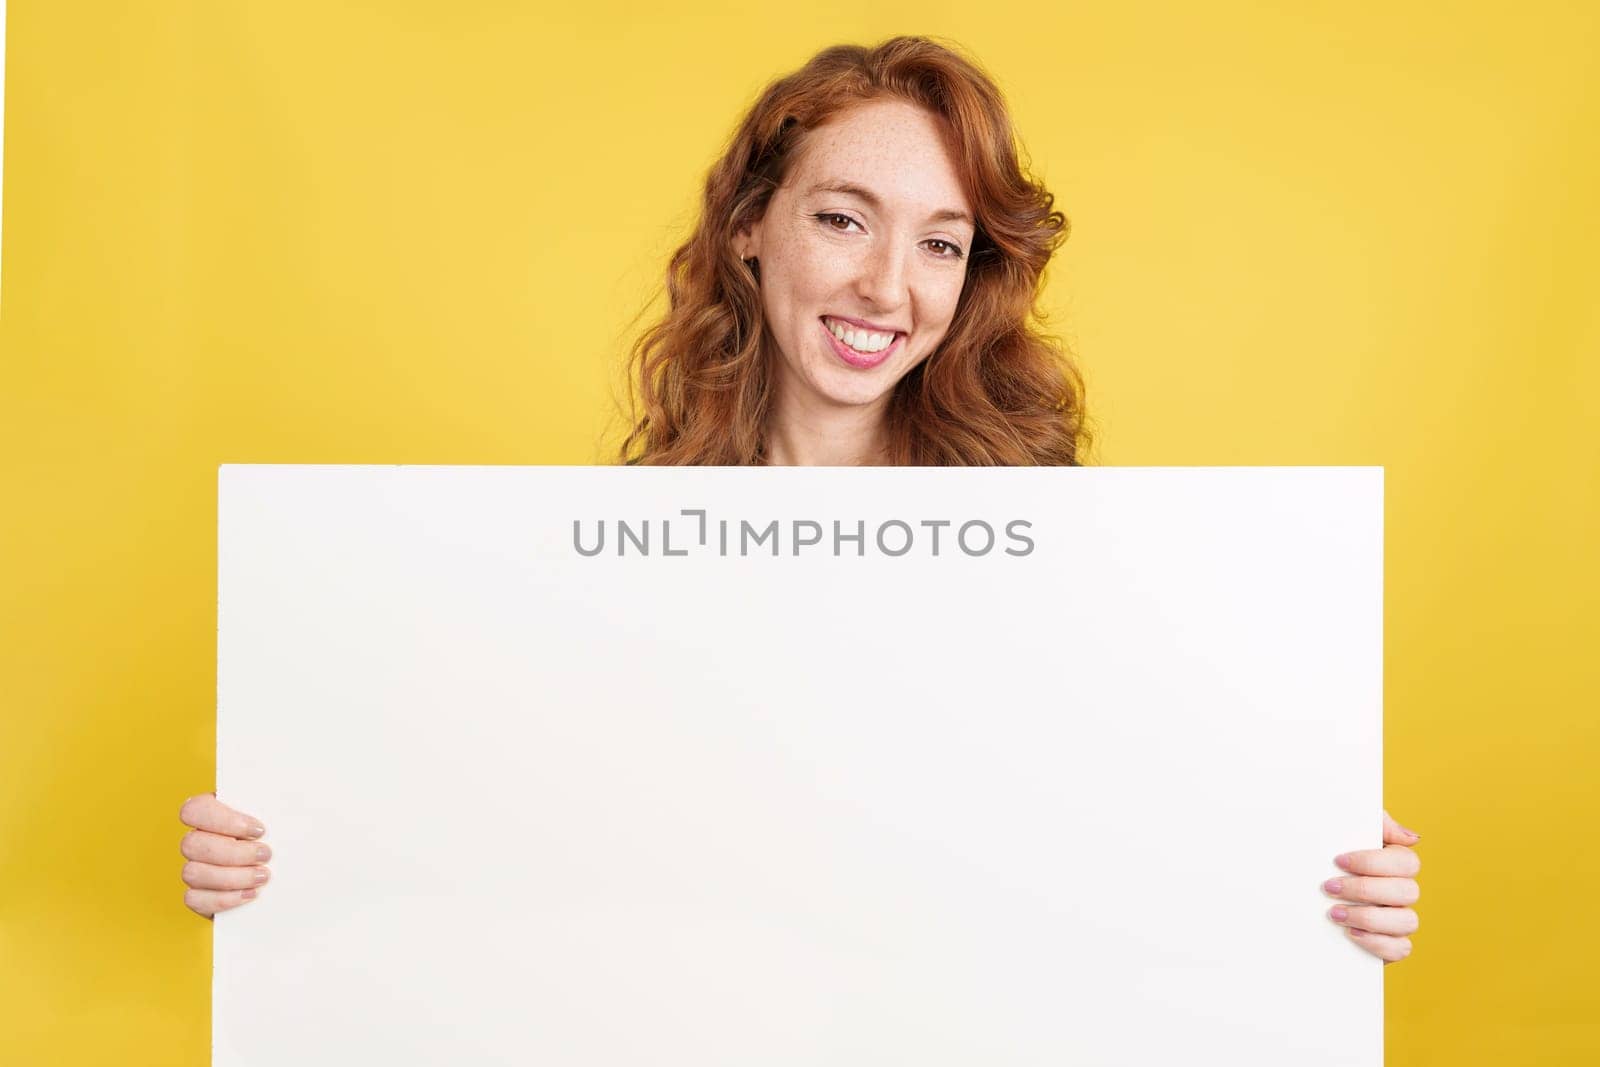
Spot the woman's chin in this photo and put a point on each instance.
(853, 388)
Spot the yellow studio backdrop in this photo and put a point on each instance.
(392, 232)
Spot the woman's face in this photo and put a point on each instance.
(870, 234)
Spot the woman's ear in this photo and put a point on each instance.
(747, 241)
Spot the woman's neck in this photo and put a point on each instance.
(826, 435)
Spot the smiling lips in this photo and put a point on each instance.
(879, 345)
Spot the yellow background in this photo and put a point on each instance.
(403, 232)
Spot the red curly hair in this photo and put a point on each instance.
(996, 392)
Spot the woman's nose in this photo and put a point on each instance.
(882, 279)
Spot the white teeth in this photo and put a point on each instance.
(860, 340)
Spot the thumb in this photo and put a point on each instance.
(1395, 834)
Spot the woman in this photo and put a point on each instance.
(858, 292)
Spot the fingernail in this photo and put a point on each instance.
(1339, 915)
(255, 830)
(1354, 931)
(1334, 886)
(1342, 860)
(259, 876)
(263, 853)
(248, 894)
(1413, 833)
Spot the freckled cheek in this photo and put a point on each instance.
(943, 304)
(935, 301)
(818, 272)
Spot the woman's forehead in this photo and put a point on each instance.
(889, 154)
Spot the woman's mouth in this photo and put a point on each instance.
(856, 357)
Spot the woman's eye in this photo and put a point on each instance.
(829, 216)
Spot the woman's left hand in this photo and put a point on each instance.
(1381, 887)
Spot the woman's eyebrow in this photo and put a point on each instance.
(851, 189)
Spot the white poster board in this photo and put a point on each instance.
(1060, 791)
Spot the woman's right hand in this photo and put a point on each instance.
(225, 857)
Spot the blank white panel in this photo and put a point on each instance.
(1071, 806)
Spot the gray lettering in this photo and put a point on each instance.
(624, 532)
(1011, 529)
(859, 537)
(666, 540)
(961, 537)
(798, 543)
(577, 542)
(746, 530)
(934, 524)
(702, 513)
(903, 548)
